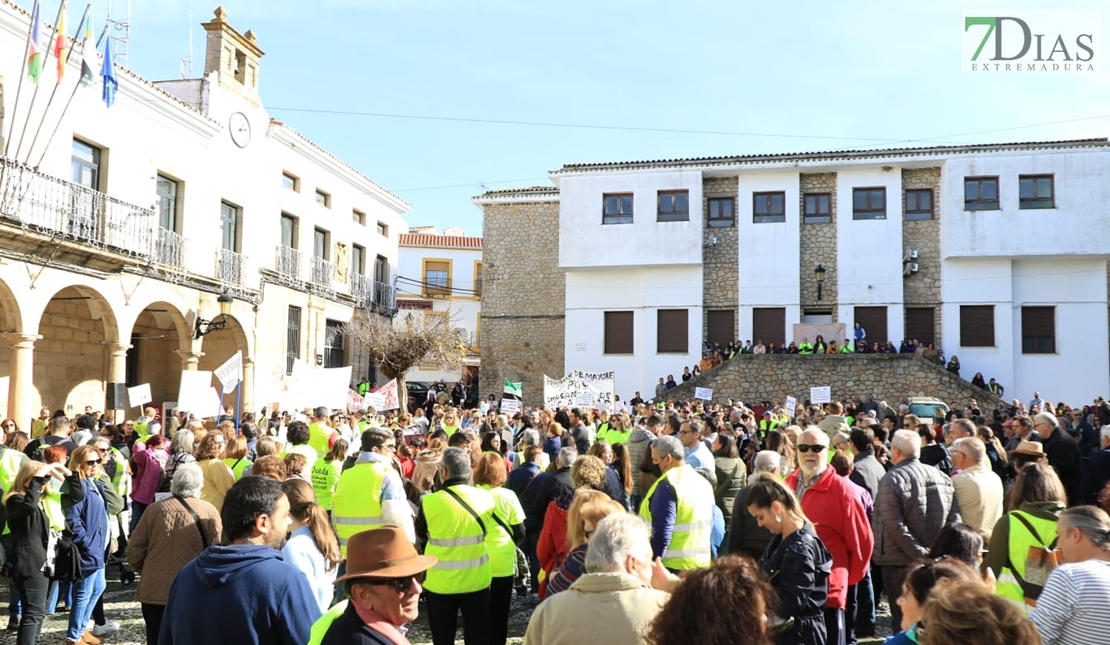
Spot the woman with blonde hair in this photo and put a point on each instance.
(582, 518)
(218, 478)
(235, 456)
(966, 612)
(313, 547)
(552, 547)
(86, 513)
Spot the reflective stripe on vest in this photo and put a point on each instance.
(323, 623)
(1009, 580)
(691, 533)
(357, 503)
(457, 539)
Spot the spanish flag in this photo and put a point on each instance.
(34, 53)
(60, 43)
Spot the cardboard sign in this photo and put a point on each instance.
(373, 400)
(791, 404)
(192, 394)
(510, 406)
(821, 394)
(230, 373)
(138, 395)
(703, 393)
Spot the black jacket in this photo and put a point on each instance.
(1095, 475)
(745, 535)
(798, 567)
(551, 488)
(1063, 455)
(349, 629)
(30, 530)
(937, 456)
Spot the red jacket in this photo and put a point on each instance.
(552, 547)
(841, 523)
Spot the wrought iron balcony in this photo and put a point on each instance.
(230, 267)
(362, 288)
(289, 264)
(322, 271)
(385, 298)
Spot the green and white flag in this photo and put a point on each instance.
(515, 389)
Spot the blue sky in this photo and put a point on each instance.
(820, 75)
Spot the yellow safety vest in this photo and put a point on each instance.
(319, 436)
(693, 524)
(805, 348)
(323, 623)
(1013, 572)
(458, 540)
(325, 475)
(357, 502)
(237, 466)
(614, 436)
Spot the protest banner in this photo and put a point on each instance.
(138, 395)
(354, 401)
(703, 393)
(579, 388)
(230, 373)
(509, 406)
(820, 394)
(389, 394)
(310, 387)
(192, 394)
(374, 400)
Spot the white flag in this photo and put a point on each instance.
(231, 372)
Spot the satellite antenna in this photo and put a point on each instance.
(187, 63)
(120, 31)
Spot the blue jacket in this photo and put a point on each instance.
(242, 594)
(87, 520)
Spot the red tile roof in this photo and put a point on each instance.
(440, 241)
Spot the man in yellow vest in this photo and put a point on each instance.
(453, 522)
(370, 494)
(679, 508)
(321, 436)
(805, 347)
(383, 585)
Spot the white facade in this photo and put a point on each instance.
(146, 282)
(1011, 257)
(459, 305)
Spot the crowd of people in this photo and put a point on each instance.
(668, 523)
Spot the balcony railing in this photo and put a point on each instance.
(64, 209)
(230, 267)
(385, 298)
(437, 288)
(322, 271)
(169, 249)
(289, 263)
(362, 287)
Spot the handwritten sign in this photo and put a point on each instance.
(821, 394)
(703, 393)
(791, 405)
(138, 395)
(510, 406)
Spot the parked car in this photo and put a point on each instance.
(925, 407)
(418, 393)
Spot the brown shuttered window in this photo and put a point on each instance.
(673, 335)
(721, 327)
(769, 325)
(1038, 330)
(618, 332)
(920, 324)
(873, 321)
(976, 325)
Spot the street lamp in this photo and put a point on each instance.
(819, 273)
(205, 327)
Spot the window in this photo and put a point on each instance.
(292, 338)
(673, 331)
(768, 208)
(478, 279)
(720, 326)
(674, 206)
(869, 203)
(333, 344)
(981, 194)
(920, 323)
(437, 278)
(616, 208)
(290, 182)
(381, 269)
(873, 321)
(320, 243)
(240, 65)
(618, 332)
(167, 203)
(85, 161)
(722, 212)
(1038, 330)
(358, 217)
(288, 231)
(976, 325)
(358, 260)
(919, 203)
(323, 199)
(230, 215)
(817, 208)
(1036, 191)
(769, 325)
(383, 230)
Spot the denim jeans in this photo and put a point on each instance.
(865, 596)
(85, 594)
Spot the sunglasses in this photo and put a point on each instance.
(806, 447)
(400, 585)
(92, 462)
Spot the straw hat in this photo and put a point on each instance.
(1029, 448)
(384, 553)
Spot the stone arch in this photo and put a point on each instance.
(219, 346)
(12, 321)
(158, 333)
(78, 328)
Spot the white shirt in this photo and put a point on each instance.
(1074, 607)
(301, 552)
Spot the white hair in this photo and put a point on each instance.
(908, 443)
(566, 457)
(669, 445)
(972, 447)
(188, 479)
(1046, 417)
(766, 461)
(616, 538)
(822, 436)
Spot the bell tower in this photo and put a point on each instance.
(234, 57)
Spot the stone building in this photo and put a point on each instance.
(994, 253)
(170, 230)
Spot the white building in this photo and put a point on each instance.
(439, 279)
(995, 253)
(118, 245)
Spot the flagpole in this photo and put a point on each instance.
(45, 60)
(71, 95)
(18, 88)
(31, 150)
(238, 402)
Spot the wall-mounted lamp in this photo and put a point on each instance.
(204, 327)
(819, 273)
